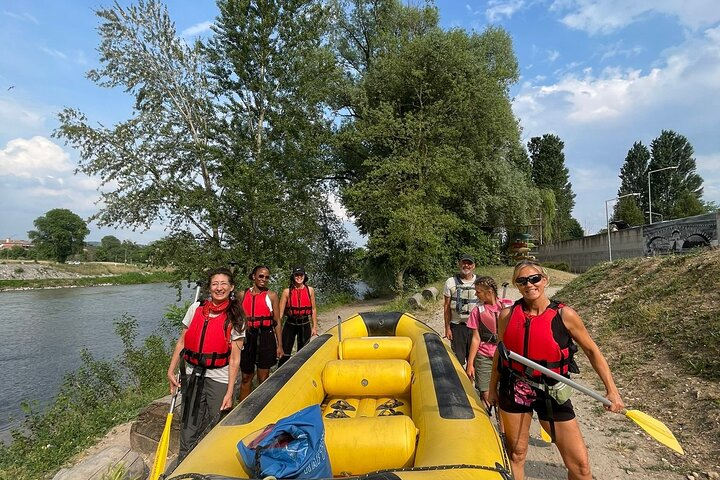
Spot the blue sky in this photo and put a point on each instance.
(599, 74)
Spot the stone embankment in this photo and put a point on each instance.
(32, 271)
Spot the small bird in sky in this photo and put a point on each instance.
(11, 87)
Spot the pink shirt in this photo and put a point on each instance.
(487, 314)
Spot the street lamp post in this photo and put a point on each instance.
(649, 193)
(607, 218)
(662, 217)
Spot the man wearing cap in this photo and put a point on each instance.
(297, 304)
(459, 293)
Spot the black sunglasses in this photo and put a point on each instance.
(534, 279)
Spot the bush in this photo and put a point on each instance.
(562, 266)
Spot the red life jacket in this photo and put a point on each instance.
(257, 312)
(542, 339)
(298, 303)
(207, 340)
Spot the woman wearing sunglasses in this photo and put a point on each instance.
(262, 330)
(546, 332)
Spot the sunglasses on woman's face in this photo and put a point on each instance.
(261, 276)
(534, 279)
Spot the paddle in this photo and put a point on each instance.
(654, 427)
(545, 436)
(164, 442)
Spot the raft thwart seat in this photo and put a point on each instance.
(377, 348)
(367, 378)
(361, 444)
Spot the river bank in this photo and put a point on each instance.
(27, 275)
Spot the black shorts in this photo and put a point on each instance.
(509, 402)
(259, 349)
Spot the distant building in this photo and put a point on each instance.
(9, 243)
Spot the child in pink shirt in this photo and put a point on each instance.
(483, 323)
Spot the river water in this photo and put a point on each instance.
(43, 331)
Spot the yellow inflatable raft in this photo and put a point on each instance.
(396, 405)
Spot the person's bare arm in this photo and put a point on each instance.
(579, 333)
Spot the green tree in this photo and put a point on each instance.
(273, 69)
(549, 172)
(575, 230)
(226, 145)
(670, 186)
(628, 210)
(110, 249)
(633, 179)
(429, 147)
(155, 166)
(59, 233)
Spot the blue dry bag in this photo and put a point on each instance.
(294, 447)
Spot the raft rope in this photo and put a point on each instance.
(504, 473)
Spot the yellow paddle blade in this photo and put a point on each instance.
(162, 450)
(655, 428)
(545, 435)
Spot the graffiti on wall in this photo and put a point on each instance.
(677, 236)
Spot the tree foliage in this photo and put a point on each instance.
(58, 234)
(155, 166)
(273, 73)
(633, 179)
(549, 172)
(227, 143)
(429, 151)
(676, 192)
(110, 249)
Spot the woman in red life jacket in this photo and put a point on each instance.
(546, 332)
(210, 345)
(262, 330)
(297, 305)
(483, 322)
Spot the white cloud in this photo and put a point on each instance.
(33, 158)
(54, 53)
(553, 55)
(21, 16)
(499, 9)
(618, 49)
(15, 117)
(605, 16)
(196, 29)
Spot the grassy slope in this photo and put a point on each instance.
(657, 320)
(672, 303)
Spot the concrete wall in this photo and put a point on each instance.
(673, 236)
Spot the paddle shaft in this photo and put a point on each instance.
(197, 290)
(529, 363)
(164, 441)
(340, 337)
(655, 428)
